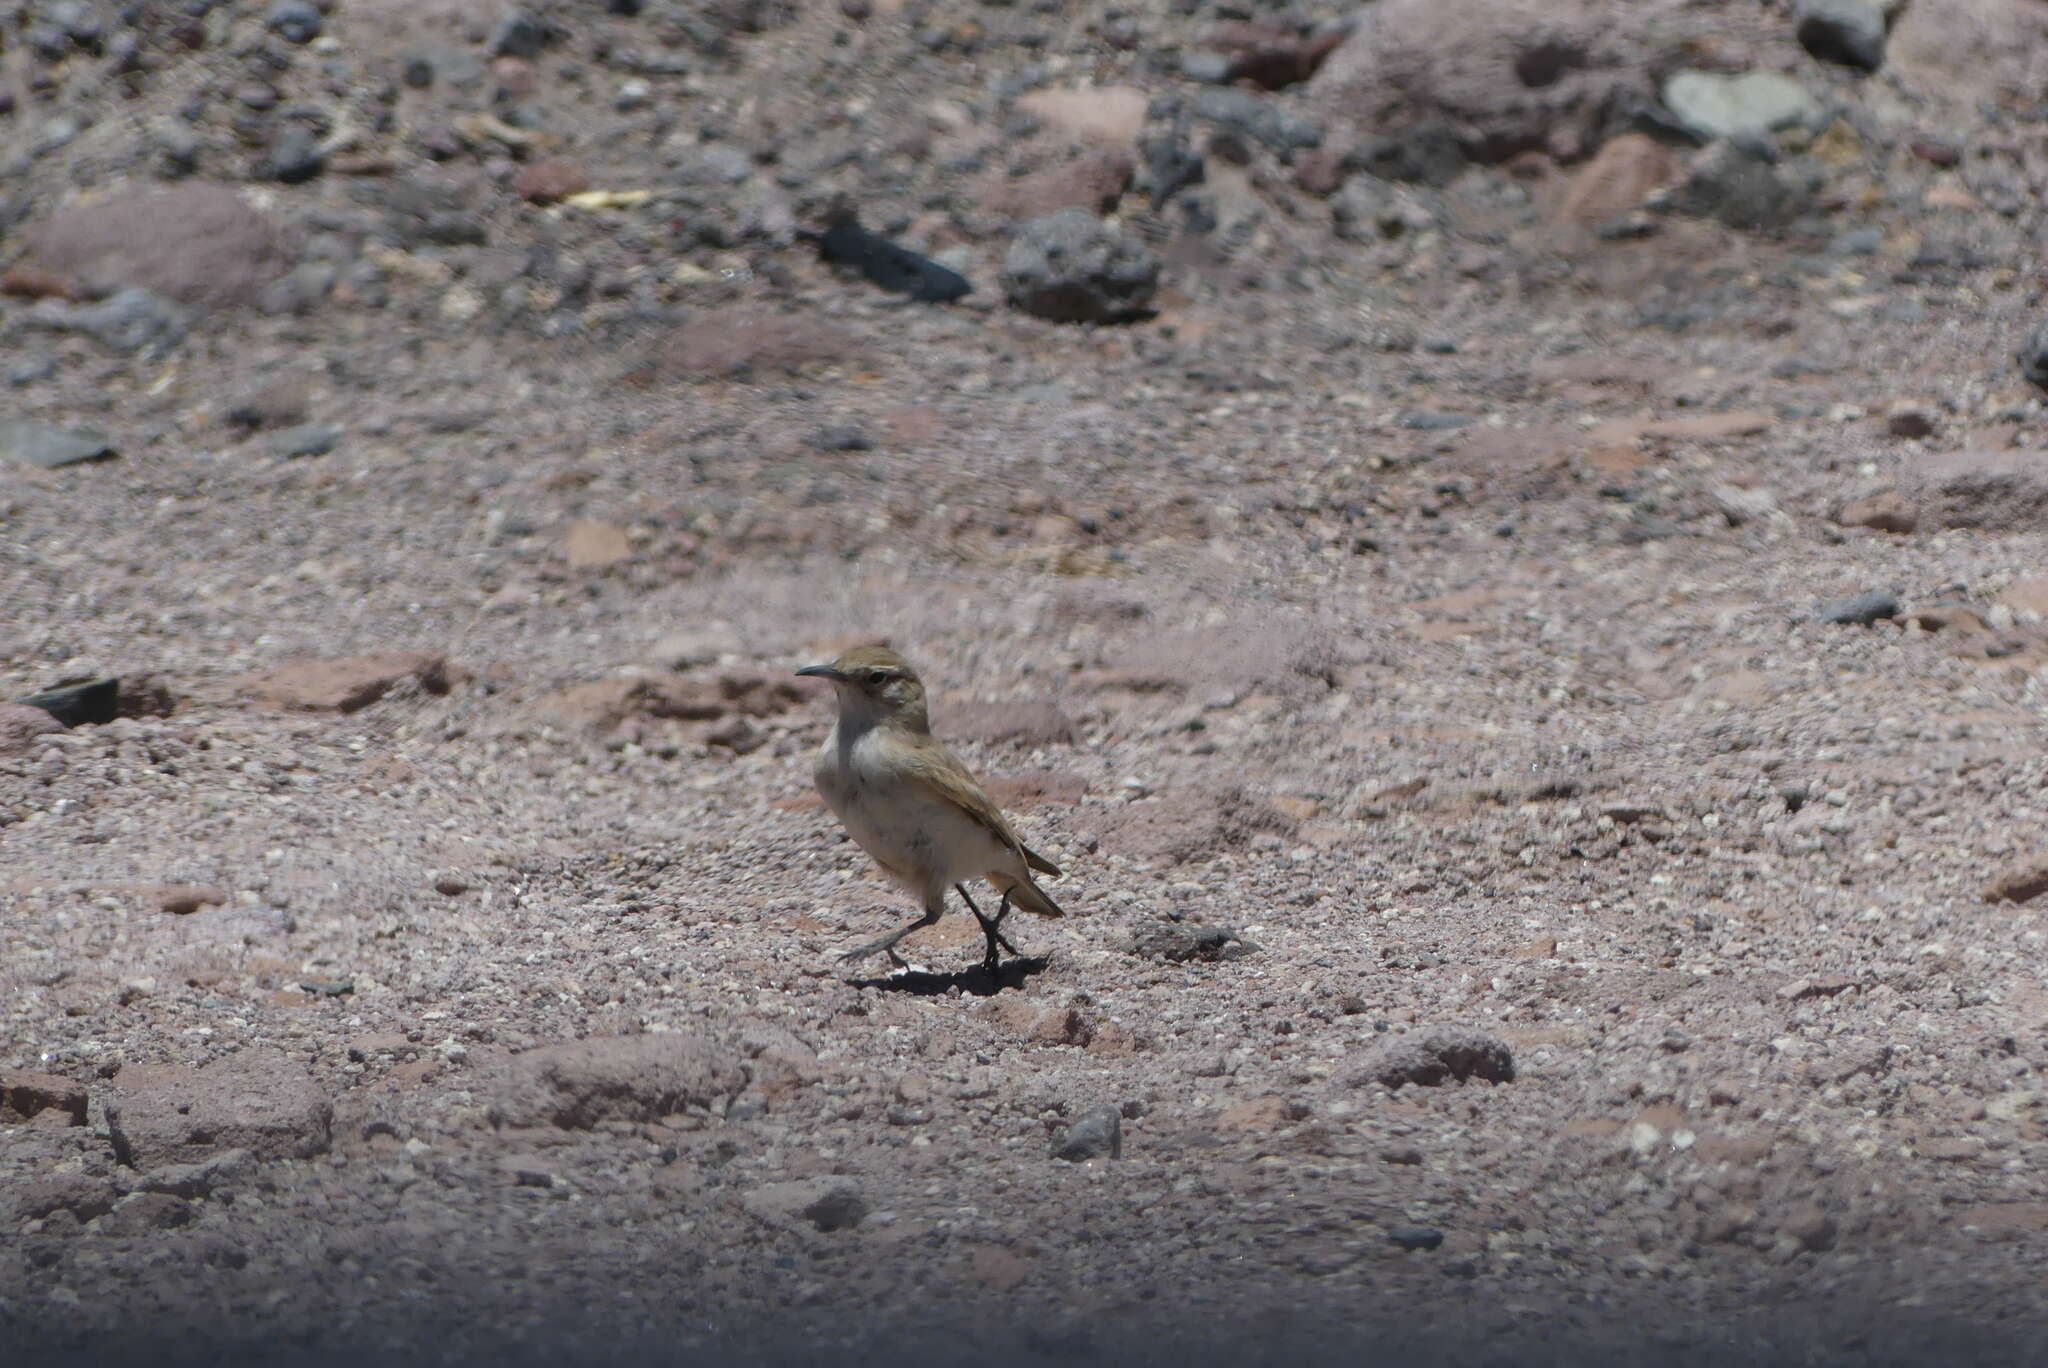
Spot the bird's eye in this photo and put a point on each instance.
(878, 678)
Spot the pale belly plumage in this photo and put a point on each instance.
(918, 838)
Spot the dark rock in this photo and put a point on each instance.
(31, 369)
(1180, 942)
(1433, 422)
(39, 444)
(1098, 1134)
(518, 35)
(1849, 33)
(1258, 118)
(299, 290)
(294, 156)
(1367, 209)
(1436, 1056)
(894, 268)
(293, 20)
(1071, 267)
(1168, 165)
(88, 704)
(256, 1099)
(1733, 183)
(1427, 154)
(2033, 357)
(841, 438)
(1860, 611)
(1416, 1237)
(307, 439)
(131, 320)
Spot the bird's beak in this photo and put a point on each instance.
(823, 672)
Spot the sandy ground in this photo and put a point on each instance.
(439, 959)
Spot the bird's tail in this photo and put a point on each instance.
(1026, 893)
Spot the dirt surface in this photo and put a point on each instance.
(1529, 650)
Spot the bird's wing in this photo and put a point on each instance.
(939, 770)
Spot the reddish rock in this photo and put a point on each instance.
(739, 342)
(577, 1084)
(2028, 595)
(1436, 1056)
(1093, 181)
(1322, 170)
(182, 900)
(1040, 1024)
(605, 703)
(256, 1099)
(21, 724)
(996, 1268)
(27, 1096)
(29, 282)
(1271, 55)
(1618, 179)
(347, 685)
(201, 244)
(1887, 511)
(550, 181)
(2021, 881)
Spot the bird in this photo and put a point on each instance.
(913, 807)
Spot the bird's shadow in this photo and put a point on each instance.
(976, 981)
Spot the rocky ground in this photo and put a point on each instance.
(1503, 545)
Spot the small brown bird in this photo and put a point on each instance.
(908, 802)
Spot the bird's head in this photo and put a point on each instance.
(875, 685)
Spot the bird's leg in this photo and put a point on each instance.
(988, 931)
(887, 944)
(997, 926)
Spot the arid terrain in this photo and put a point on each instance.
(1502, 544)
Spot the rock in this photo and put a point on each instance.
(1732, 183)
(281, 403)
(1810, 1227)
(2033, 357)
(1368, 209)
(1094, 181)
(1514, 75)
(1755, 104)
(307, 439)
(1437, 1056)
(1885, 511)
(199, 244)
(201, 1179)
(2022, 881)
(593, 545)
(1416, 1237)
(518, 34)
(894, 268)
(347, 685)
(1270, 54)
(21, 724)
(256, 1099)
(182, 900)
(1860, 611)
(1029, 723)
(1097, 1134)
(299, 290)
(294, 155)
(826, 1204)
(1619, 179)
(1070, 267)
(145, 1213)
(2004, 490)
(131, 320)
(577, 1084)
(1181, 941)
(1849, 33)
(1112, 116)
(1256, 117)
(25, 1096)
(742, 343)
(293, 20)
(29, 442)
(88, 703)
(840, 437)
(549, 181)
